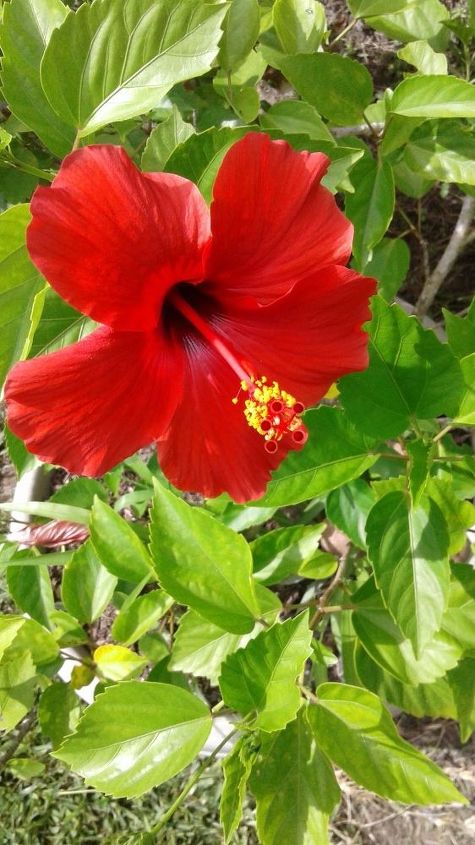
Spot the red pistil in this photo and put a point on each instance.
(272, 412)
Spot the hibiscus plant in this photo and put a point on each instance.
(258, 453)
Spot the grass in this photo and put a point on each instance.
(56, 808)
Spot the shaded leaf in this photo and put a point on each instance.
(58, 712)
(236, 769)
(411, 374)
(164, 139)
(295, 788)
(339, 88)
(19, 284)
(26, 30)
(87, 586)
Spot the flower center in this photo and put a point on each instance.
(272, 412)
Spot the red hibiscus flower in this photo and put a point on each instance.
(220, 324)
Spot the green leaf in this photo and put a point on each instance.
(58, 712)
(239, 517)
(138, 617)
(408, 547)
(466, 412)
(261, 677)
(459, 618)
(202, 563)
(366, 8)
(419, 19)
(59, 325)
(117, 545)
(460, 333)
(19, 284)
(371, 206)
(420, 456)
(459, 515)
(294, 786)
(389, 264)
(21, 459)
(79, 492)
(239, 87)
(49, 510)
(30, 588)
(87, 586)
(462, 683)
(5, 139)
(240, 33)
(25, 768)
(339, 88)
(358, 734)
(442, 153)
(38, 642)
(9, 627)
(66, 630)
(17, 688)
(117, 663)
(123, 60)
(335, 454)
(200, 157)
(389, 648)
(164, 139)
(299, 24)
(26, 30)
(280, 553)
(236, 769)
(411, 375)
(126, 757)
(435, 700)
(433, 97)
(201, 647)
(423, 57)
(348, 508)
(295, 117)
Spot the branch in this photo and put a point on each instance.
(322, 608)
(21, 732)
(460, 237)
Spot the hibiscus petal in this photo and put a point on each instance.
(112, 240)
(94, 403)
(307, 339)
(209, 448)
(272, 222)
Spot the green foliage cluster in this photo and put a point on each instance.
(202, 623)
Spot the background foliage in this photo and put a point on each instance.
(349, 587)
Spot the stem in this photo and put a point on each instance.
(149, 838)
(327, 594)
(343, 32)
(76, 141)
(28, 168)
(455, 246)
(442, 433)
(22, 731)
